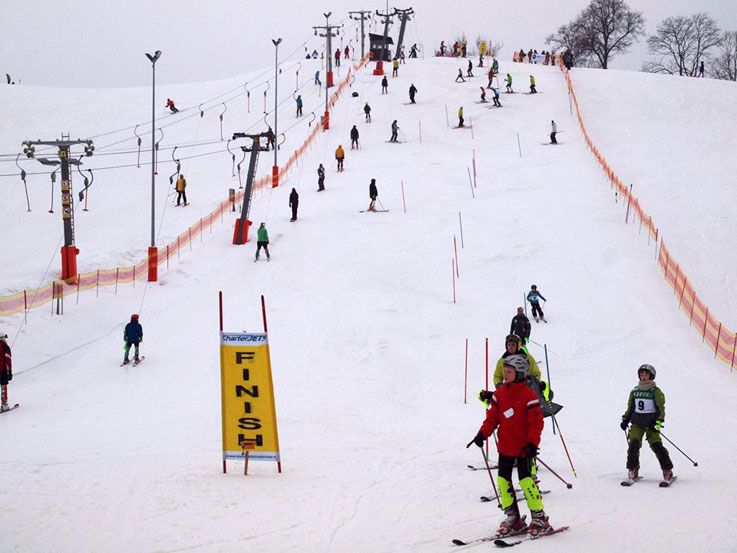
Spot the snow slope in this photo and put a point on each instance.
(367, 351)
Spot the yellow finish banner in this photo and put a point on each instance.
(247, 390)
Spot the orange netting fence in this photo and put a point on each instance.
(721, 340)
(29, 299)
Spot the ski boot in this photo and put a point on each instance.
(4, 407)
(668, 476)
(126, 361)
(632, 474)
(512, 525)
(539, 525)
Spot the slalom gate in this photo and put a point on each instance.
(94, 280)
(721, 340)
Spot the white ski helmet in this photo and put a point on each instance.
(648, 368)
(519, 363)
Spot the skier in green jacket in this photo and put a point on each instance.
(509, 83)
(646, 414)
(262, 236)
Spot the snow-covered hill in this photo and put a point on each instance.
(367, 344)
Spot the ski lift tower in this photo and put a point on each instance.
(69, 250)
(387, 20)
(242, 224)
(404, 16)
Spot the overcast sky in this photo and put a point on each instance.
(101, 43)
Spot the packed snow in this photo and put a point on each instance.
(367, 344)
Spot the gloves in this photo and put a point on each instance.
(530, 450)
(485, 396)
(658, 425)
(623, 425)
(479, 440)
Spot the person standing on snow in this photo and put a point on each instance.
(6, 370)
(395, 130)
(262, 241)
(299, 105)
(367, 111)
(483, 95)
(460, 116)
(395, 67)
(521, 326)
(340, 157)
(469, 71)
(373, 194)
(646, 414)
(412, 92)
(337, 57)
(509, 84)
(320, 178)
(181, 186)
(496, 97)
(354, 138)
(347, 52)
(384, 85)
(317, 78)
(133, 336)
(460, 76)
(413, 51)
(294, 203)
(490, 74)
(553, 132)
(515, 411)
(701, 69)
(534, 297)
(533, 90)
(513, 346)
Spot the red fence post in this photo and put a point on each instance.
(680, 301)
(693, 301)
(706, 319)
(734, 350)
(719, 334)
(117, 274)
(167, 257)
(25, 308)
(97, 285)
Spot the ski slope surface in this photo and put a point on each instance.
(367, 343)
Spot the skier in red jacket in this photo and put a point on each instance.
(6, 370)
(515, 410)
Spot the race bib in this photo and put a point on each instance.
(508, 413)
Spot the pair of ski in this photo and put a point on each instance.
(505, 542)
(537, 320)
(488, 498)
(663, 484)
(134, 362)
(13, 407)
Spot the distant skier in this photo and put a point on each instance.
(646, 412)
(395, 130)
(340, 157)
(481, 60)
(354, 138)
(384, 85)
(460, 116)
(521, 326)
(181, 188)
(412, 92)
(460, 76)
(534, 297)
(373, 194)
(553, 132)
(133, 336)
(469, 70)
(401, 55)
(347, 52)
(299, 105)
(171, 106)
(367, 112)
(320, 178)
(491, 75)
(314, 54)
(533, 90)
(337, 57)
(509, 84)
(270, 139)
(701, 69)
(516, 411)
(294, 203)
(483, 95)
(317, 78)
(413, 51)
(395, 67)
(262, 241)
(6, 370)
(496, 97)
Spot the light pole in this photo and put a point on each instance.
(275, 168)
(153, 253)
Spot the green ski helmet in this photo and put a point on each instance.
(519, 363)
(648, 368)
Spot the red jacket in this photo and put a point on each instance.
(6, 360)
(515, 410)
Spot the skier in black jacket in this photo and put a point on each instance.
(320, 178)
(412, 92)
(354, 138)
(133, 336)
(520, 326)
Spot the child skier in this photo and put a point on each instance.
(553, 132)
(483, 95)
(515, 411)
(320, 178)
(262, 241)
(373, 194)
(534, 297)
(496, 97)
(6, 370)
(354, 138)
(299, 105)
(533, 90)
(460, 116)
(460, 76)
(340, 157)
(384, 85)
(133, 336)
(509, 84)
(181, 188)
(513, 346)
(395, 130)
(646, 413)
(367, 111)
(294, 203)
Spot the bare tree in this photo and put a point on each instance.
(725, 62)
(682, 43)
(604, 28)
(495, 48)
(569, 38)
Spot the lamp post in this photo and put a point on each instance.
(275, 168)
(153, 253)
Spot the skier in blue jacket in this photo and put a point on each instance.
(534, 297)
(133, 336)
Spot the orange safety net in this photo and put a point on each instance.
(721, 340)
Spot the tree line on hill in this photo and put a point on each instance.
(681, 45)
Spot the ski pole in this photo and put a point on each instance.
(679, 449)
(568, 484)
(491, 477)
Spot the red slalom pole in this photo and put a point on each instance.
(465, 376)
(453, 270)
(455, 249)
(403, 201)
